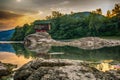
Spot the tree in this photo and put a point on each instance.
(108, 13)
(55, 14)
(21, 32)
(116, 10)
(97, 11)
(71, 12)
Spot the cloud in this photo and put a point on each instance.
(9, 20)
(64, 2)
(4, 15)
(1, 23)
(40, 12)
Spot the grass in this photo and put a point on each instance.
(111, 37)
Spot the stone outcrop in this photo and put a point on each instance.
(37, 38)
(114, 72)
(6, 69)
(43, 38)
(93, 43)
(3, 70)
(60, 69)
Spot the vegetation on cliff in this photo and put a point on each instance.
(21, 32)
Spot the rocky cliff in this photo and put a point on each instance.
(43, 38)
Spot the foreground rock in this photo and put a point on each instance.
(114, 72)
(55, 69)
(6, 69)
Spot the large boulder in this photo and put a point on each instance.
(60, 69)
(37, 38)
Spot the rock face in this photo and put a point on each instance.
(37, 38)
(54, 69)
(94, 43)
(6, 69)
(114, 72)
(3, 70)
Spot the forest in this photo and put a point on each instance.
(77, 25)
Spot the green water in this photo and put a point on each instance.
(68, 52)
(106, 53)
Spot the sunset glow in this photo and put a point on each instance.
(18, 12)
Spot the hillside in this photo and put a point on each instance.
(6, 48)
(21, 32)
(76, 25)
(6, 35)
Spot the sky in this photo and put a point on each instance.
(18, 12)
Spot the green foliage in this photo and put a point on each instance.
(72, 26)
(76, 25)
(21, 32)
(84, 24)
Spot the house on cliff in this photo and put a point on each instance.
(42, 25)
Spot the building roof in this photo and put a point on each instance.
(42, 22)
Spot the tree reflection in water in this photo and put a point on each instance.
(106, 53)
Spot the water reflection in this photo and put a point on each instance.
(8, 57)
(6, 48)
(20, 54)
(20, 49)
(107, 53)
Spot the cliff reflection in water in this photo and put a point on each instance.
(103, 59)
(69, 52)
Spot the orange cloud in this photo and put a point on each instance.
(9, 20)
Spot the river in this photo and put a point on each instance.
(104, 59)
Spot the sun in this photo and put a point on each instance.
(18, 0)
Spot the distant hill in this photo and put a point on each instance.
(6, 48)
(6, 35)
(85, 14)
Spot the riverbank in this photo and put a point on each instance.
(44, 38)
(111, 37)
(7, 42)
